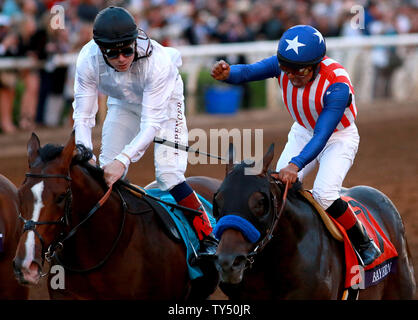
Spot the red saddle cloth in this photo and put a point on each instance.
(356, 276)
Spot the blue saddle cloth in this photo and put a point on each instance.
(187, 233)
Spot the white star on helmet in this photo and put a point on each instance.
(319, 35)
(294, 44)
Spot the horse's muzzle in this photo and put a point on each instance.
(231, 267)
(27, 275)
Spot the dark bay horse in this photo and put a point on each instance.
(114, 253)
(10, 231)
(301, 260)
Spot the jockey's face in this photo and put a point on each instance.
(299, 78)
(121, 58)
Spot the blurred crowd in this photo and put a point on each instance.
(39, 29)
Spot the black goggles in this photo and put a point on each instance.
(114, 53)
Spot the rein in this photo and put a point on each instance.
(53, 254)
(277, 214)
(30, 225)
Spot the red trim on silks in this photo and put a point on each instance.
(347, 219)
(200, 223)
(352, 274)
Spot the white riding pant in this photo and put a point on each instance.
(122, 124)
(334, 160)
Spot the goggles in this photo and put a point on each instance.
(114, 53)
(300, 73)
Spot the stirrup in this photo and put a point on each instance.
(208, 247)
(368, 252)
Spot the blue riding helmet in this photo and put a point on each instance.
(301, 46)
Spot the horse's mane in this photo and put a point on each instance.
(82, 157)
(293, 190)
(51, 151)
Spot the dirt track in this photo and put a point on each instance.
(387, 157)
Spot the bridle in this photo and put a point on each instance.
(30, 225)
(277, 213)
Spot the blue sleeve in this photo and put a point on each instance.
(264, 69)
(336, 99)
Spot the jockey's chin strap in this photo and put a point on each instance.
(277, 214)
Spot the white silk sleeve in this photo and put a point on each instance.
(85, 103)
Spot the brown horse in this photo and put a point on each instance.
(265, 253)
(110, 249)
(10, 232)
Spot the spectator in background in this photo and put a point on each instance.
(273, 27)
(8, 78)
(198, 32)
(85, 35)
(384, 59)
(57, 44)
(31, 45)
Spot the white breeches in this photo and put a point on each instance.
(121, 126)
(334, 160)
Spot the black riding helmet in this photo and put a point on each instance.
(114, 27)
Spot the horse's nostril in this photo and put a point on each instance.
(239, 260)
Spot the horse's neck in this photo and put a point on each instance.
(86, 194)
(96, 236)
(294, 223)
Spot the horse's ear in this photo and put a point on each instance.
(268, 157)
(33, 148)
(231, 159)
(69, 150)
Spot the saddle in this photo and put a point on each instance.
(147, 206)
(173, 220)
(329, 224)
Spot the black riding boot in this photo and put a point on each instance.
(208, 246)
(365, 246)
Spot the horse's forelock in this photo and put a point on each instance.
(50, 152)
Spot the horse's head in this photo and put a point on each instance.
(246, 209)
(45, 200)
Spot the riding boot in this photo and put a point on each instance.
(186, 197)
(201, 225)
(366, 247)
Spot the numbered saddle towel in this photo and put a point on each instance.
(382, 266)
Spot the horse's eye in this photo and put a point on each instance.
(219, 202)
(258, 204)
(60, 198)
